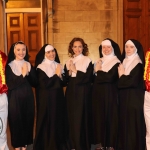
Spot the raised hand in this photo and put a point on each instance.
(121, 70)
(72, 67)
(25, 70)
(98, 66)
(58, 70)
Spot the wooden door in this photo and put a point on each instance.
(137, 21)
(32, 32)
(15, 31)
(25, 27)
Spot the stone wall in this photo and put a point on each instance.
(92, 20)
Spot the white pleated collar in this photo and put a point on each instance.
(130, 62)
(108, 62)
(81, 63)
(49, 67)
(16, 66)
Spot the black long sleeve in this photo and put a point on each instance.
(107, 77)
(81, 77)
(12, 80)
(45, 82)
(133, 79)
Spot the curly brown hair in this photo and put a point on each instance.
(85, 51)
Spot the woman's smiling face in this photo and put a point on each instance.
(77, 48)
(51, 54)
(20, 51)
(107, 49)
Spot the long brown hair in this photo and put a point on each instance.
(85, 51)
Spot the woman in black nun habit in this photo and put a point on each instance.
(131, 98)
(79, 70)
(20, 78)
(51, 106)
(105, 95)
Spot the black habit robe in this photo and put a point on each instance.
(131, 118)
(20, 107)
(105, 97)
(105, 107)
(51, 113)
(78, 97)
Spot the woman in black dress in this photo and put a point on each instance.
(51, 105)
(105, 95)
(131, 98)
(79, 70)
(20, 77)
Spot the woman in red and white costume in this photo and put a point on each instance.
(147, 98)
(3, 103)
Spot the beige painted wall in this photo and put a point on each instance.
(92, 20)
(1, 27)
